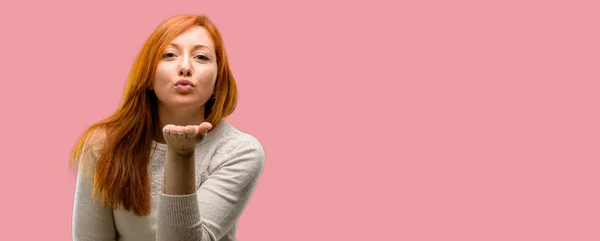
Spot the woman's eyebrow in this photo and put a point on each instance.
(195, 46)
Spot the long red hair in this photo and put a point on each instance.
(123, 141)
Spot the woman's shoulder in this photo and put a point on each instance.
(233, 143)
(93, 143)
(230, 135)
(96, 138)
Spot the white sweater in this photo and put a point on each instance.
(228, 166)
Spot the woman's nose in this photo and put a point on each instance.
(185, 71)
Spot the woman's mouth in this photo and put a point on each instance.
(184, 82)
(184, 86)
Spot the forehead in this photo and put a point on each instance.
(197, 35)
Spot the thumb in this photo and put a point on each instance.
(203, 128)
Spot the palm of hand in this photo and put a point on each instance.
(182, 140)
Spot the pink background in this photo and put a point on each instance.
(436, 120)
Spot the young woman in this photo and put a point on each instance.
(165, 165)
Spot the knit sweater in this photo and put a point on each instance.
(229, 163)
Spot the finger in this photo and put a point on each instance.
(168, 128)
(203, 128)
(180, 130)
(190, 131)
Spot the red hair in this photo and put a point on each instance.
(123, 141)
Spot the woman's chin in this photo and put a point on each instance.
(182, 103)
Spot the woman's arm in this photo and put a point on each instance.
(180, 174)
(209, 212)
(91, 221)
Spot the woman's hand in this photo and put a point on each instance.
(182, 140)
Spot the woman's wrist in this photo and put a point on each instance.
(180, 176)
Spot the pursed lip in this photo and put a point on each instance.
(184, 82)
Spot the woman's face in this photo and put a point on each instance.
(186, 73)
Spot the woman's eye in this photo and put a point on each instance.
(168, 55)
(202, 57)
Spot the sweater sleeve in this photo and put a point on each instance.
(91, 221)
(214, 208)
